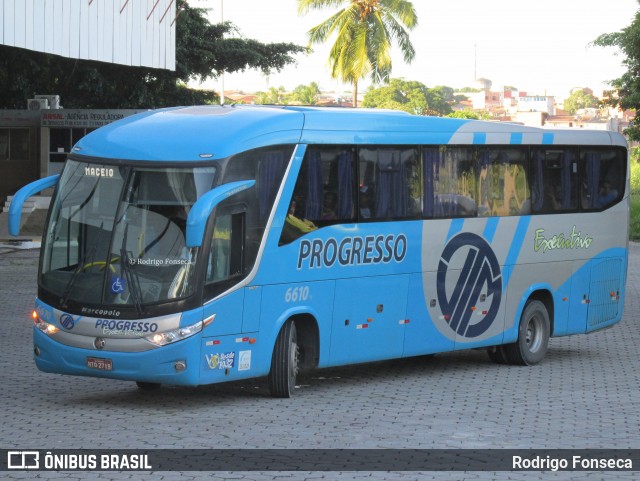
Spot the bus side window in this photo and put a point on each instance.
(603, 180)
(324, 193)
(503, 183)
(390, 184)
(554, 174)
(450, 182)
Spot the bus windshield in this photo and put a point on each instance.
(116, 234)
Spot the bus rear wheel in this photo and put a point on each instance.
(533, 336)
(284, 363)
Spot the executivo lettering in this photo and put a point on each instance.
(575, 240)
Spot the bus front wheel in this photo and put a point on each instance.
(284, 363)
(533, 336)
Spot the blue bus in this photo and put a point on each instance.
(197, 245)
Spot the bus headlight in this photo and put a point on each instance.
(48, 329)
(168, 337)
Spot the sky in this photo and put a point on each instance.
(538, 46)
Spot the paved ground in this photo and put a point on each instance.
(585, 395)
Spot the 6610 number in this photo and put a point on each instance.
(295, 294)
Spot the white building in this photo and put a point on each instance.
(128, 32)
(536, 103)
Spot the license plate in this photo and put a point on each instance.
(100, 363)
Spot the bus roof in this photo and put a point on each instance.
(214, 132)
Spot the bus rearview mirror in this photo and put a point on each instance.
(201, 210)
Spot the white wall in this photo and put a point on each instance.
(115, 31)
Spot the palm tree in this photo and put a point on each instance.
(364, 31)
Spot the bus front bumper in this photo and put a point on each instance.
(174, 364)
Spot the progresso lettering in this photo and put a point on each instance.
(352, 251)
(126, 326)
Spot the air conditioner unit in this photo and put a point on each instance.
(37, 104)
(54, 100)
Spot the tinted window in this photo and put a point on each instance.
(450, 182)
(390, 184)
(554, 173)
(603, 180)
(502, 182)
(324, 193)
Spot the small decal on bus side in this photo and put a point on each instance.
(244, 360)
(225, 360)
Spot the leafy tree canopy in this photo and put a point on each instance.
(364, 31)
(579, 99)
(470, 114)
(410, 96)
(627, 87)
(203, 50)
(273, 96)
(306, 94)
(468, 90)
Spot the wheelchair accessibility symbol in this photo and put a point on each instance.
(118, 284)
(473, 304)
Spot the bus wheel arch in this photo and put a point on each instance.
(296, 348)
(308, 341)
(534, 331)
(544, 296)
(535, 328)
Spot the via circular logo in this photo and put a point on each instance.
(67, 321)
(471, 303)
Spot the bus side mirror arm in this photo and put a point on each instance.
(15, 209)
(201, 210)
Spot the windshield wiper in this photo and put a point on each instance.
(79, 268)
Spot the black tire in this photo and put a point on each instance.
(284, 363)
(533, 336)
(148, 386)
(497, 355)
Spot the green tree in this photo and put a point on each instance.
(626, 87)
(364, 31)
(440, 99)
(306, 94)
(579, 99)
(410, 96)
(273, 96)
(203, 50)
(470, 114)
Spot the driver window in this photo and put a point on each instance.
(226, 254)
(218, 265)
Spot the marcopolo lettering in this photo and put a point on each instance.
(352, 251)
(126, 326)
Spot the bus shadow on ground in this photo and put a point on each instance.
(422, 369)
(434, 369)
